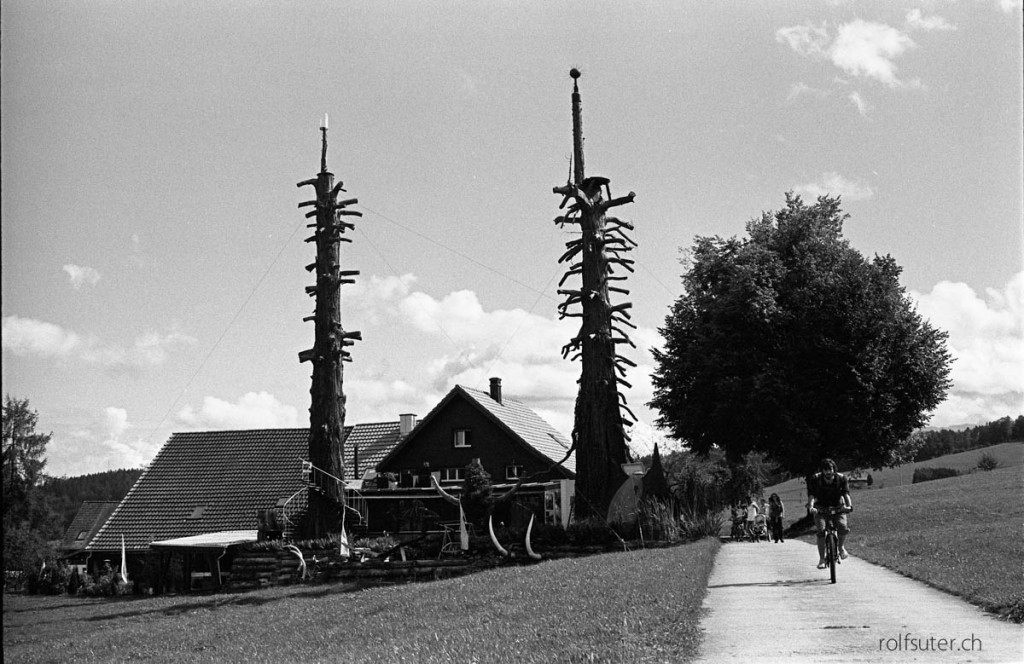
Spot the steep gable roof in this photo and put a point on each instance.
(209, 481)
(526, 424)
(515, 417)
(90, 518)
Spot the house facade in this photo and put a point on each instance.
(213, 489)
(509, 440)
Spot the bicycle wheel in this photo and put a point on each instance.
(832, 553)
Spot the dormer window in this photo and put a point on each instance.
(197, 513)
(461, 438)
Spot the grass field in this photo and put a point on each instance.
(964, 535)
(961, 534)
(1008, 454)
(640, 606)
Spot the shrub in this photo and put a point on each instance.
(377, 544)
(695, 525)
(929, 474)
(658, 521)
(590, 531)
(987, 462)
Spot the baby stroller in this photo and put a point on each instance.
(739, 531)
(760, 529)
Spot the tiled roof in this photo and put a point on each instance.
(374, 442)
(526, 424)
(91, 516)
(210, 481)
(210, 540)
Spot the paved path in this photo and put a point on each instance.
(767, 602)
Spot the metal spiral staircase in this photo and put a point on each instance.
(316, 479)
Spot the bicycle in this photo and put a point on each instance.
(832, 538)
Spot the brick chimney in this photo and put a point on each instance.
(496, 389)
(406, 423)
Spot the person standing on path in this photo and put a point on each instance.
(827, 488)
(775, 511)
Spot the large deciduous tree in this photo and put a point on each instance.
(791, 343)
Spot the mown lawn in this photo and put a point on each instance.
(963, 534)
(640, 606)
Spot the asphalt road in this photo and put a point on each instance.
(768, 602)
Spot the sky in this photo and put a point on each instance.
(153, 257)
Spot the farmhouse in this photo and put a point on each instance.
(206, 492)
(87, 522)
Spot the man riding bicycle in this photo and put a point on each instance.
(825, 489)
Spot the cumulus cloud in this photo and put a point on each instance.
(476, 343)
(25, 336)
(108, 441)
(834, 184)
(81, 276)
(865, 48)
(986, 338)
(254, 410)
(917, 21)
(30, 337)
(860, 48)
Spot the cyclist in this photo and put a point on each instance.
(827, 488)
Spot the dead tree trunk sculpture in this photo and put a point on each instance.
(327, 408)
(599, 435)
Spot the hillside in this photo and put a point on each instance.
(1008, 454)
(961, 534)
(66, 494)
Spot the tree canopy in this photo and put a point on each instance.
(28, 516)
(791, 343)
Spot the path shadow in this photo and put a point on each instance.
(228, 600)
(771, 584)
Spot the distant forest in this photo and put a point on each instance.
(947, 441)
(66, 494)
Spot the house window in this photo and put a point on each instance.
(453, 474)
(82, 535)
(461, 438)
(197, 513)
(513, 472)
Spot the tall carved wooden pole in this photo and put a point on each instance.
(601, 412)
(327, 408)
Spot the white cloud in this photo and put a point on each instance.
(25, 336)
(522, 348)
(865, 48)
(1008, 6)
(254, 410)
(860, 48)
(800, 89)
(917, 21)
(81, 276)
(807, 40)
(986, 338)
(834, 184)
(107, 442)
(29, 337)
(862, 106)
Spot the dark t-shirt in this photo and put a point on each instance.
(828, 494)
